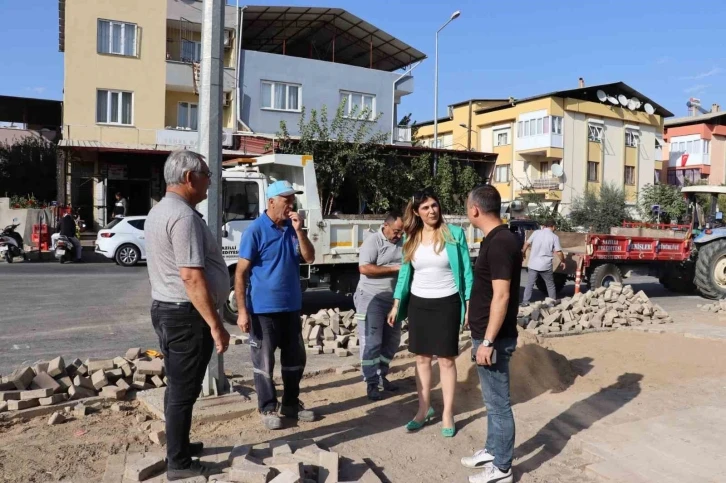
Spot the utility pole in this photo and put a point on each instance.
(210, 146)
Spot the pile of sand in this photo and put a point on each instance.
(534, 369)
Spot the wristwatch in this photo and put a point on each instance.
(486, 343)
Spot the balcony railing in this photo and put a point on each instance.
(402, 135)
(546, 184)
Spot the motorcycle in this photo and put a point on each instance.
(64, 249)
(11, 243)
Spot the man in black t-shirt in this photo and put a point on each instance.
(493, 319)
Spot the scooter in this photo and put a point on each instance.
(11, 243)
(64, 249)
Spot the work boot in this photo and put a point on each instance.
(298, 412)
(271, 420)
(373, 392)
(195, 469)
(388, 385)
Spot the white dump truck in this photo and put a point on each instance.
(336, 238)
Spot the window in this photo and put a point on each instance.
(114, 107)
(594, 133)
(631, 138)
(361, 106)
(502, 138)
(556, 125)
(241, 200)
(501, 173)
(138, 224)
(672, 177)
(592, 171)
(682, 147)
(191, 51)
(526, 128)
(186, 115)
(116, 38)
(656, 179)
(630, 175)
(539, 126)
(706, 147)
(519, 129)
(281, 96)
(689, 147)
(544, 170)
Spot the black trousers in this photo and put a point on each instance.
(270, 331)
(186, 342)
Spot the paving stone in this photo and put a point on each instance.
(328, 462)
(113, 392)
(10, 395)
(54, 399)
(3, 406)
(56, 418)
(158, 437)
(328, 350)
(126, 370)
(154, 367)
(133, 354)
(122, 384)
(64, 383)
(114, 374)
(157, 381)
(99, 365)
(36, 393)
(314, 350)
(239, 454)
(315, 333)
(341, 352)
(22, 404)
(99, 380)
(145, 468)
(345, 370)
(56, 367)
(552, 319)
(328, 334)
(369, 476)
(280, 448)
(287, 477)
(82, 370)
(80, 410)
(249, 472)
(83, 382)
(80, 392)
(139, 381)
(40, 368)
(22, 377)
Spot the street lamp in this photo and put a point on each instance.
(468, 147)
(453, 17)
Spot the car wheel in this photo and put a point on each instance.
(128, 255)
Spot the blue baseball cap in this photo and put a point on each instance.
(281, 188)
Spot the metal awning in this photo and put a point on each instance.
(138, 148)
(330, 34)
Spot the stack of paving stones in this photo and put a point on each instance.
(612, 307)
(275, 462)
(715, 308)
(54, 382)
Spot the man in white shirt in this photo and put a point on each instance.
(544, 245)
(379, 262)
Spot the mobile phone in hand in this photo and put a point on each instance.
(494, 356)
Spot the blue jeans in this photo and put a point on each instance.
(495, 391)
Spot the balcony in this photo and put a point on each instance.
(548, 145)
(402, 135)
(180, 77)
(549, 189)
(546, 184)
(679, 159)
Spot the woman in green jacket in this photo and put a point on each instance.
(433, 289)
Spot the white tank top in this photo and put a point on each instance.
(432, 275)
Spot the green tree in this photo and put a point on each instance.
(345, 147)
(600, 211)
(668, 197)
(29, 167)
(406, 121)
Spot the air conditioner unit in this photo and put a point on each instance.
(227, 99)
(227, 139)
(228, 38)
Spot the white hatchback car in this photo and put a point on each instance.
(122, 240)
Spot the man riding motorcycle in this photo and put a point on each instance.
(67, 228)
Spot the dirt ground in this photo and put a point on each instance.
(560, 388)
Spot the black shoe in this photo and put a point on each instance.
(196, 449)
(388, 385)
(195, 469)
(373, 392)
(298, 412)
(79, 260)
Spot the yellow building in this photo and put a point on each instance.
(558, 145)
(130, 96)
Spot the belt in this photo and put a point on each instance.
(185, 305)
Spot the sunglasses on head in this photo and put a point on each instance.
(423, 194)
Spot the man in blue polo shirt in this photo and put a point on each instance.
(269, 300)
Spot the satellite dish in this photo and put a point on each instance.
(637, 102)
(622, 100)
(613, 100)
(632, 105)
(602, 97)
(649, 109)
(557, 170)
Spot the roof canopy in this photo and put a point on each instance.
(330, 34)
(38, 112)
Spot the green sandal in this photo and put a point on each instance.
(414, 425)
(448, 432)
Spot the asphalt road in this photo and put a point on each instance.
(100, 310)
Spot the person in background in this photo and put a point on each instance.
(379, 263)
(493, 322)
(545, 244)
(189, 285)
(433, 289)
(269, 305)
(120, 208)
(67, 228)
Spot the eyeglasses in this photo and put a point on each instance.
(208, 174)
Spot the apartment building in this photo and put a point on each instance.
(589, 135)
(131, 83)
(695, 148)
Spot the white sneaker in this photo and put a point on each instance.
(492, 474)
(479, 459)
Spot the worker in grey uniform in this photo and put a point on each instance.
(379, 263)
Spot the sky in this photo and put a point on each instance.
(667, 50)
